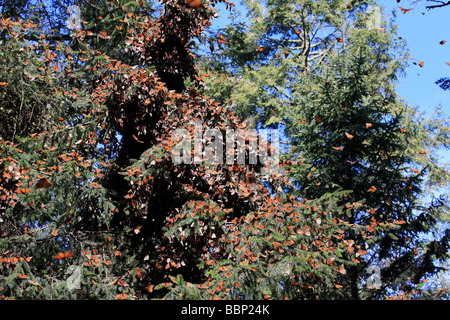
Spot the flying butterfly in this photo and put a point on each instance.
(405, 10)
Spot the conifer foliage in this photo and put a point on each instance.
(93, 205)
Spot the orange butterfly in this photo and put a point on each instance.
(421, 64)
(405, 10)
(121, 296)
(135, 138)
(23, 190)
(64, 255)
(194, 3)
(276, 244)
(442, 42)
(33, 282)
(342, 270)
(43, 183)
(348, 135)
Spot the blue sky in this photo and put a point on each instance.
(423, 34)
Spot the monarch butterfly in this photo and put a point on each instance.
(135, 138)
(404, 10)
(64, 255)
(194, 3)
(23, 190)
(121, 296)
(43, 183)
(342, 270)
(33, 282)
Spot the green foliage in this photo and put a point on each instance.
(92, 206)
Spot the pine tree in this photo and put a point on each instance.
(351, 133)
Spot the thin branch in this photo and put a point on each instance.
(18, 117)
(434, 6)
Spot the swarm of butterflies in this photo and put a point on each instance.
(441, 42)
